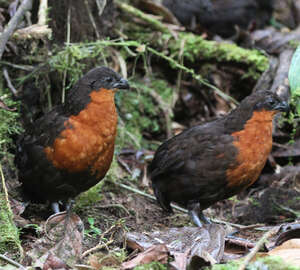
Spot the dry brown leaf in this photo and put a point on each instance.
(155, 253)
(192, 246)
(289, 251)
(58, 243)
(53, 262)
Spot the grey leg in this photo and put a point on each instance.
(195, 212)
(55, 207)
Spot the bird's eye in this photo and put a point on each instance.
(272, 102)
(108, 79)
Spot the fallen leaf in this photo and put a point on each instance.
(53, 262)
(289, 251)
(190, 246)
(157, 253)
(62, 241)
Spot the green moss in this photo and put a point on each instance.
(140, 111)
(151, 266)
(9, 240)
(265, 263)
(8, 124)
(89, 197)
(196, 49)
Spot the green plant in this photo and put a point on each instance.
(92, 231)
(8, 124)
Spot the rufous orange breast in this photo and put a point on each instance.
(88, 140)
(254, 144)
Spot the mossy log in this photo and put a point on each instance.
(196, 48)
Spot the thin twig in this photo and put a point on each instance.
(281, 145)
(197, 77)
(9, 83)
(100, 245)
(22, 67)
(12, 262)
(91, 17)
(67, 56)
(101, 6)
(97, 247)
(258, 245)
(13, 23)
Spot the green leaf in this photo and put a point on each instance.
(294, 73)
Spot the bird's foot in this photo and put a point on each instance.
(196, 214)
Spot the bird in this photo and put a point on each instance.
(70, 148)
(211, 162)
(221, 16)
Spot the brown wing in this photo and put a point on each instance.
(192, 166)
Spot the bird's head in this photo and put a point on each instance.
(104, 77)
(95, 80)
(269, 101)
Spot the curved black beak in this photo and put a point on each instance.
(121, 84)
(282, 106)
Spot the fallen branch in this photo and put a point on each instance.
(12, 262)
(156, 24)
(13, 23)
(258, 245)
(196, 48)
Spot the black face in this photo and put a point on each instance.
(103, 77)
(271, 102)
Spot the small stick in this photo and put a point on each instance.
(100, 245)
(91, 17)
(13, 23)
(22, 67)
(258, 245)
(9, 84)
(67, 56)
(101, 6)
(12, 262)
(97, 247)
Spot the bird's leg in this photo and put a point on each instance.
(196, 214)
(69, 204)
(55, 207)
